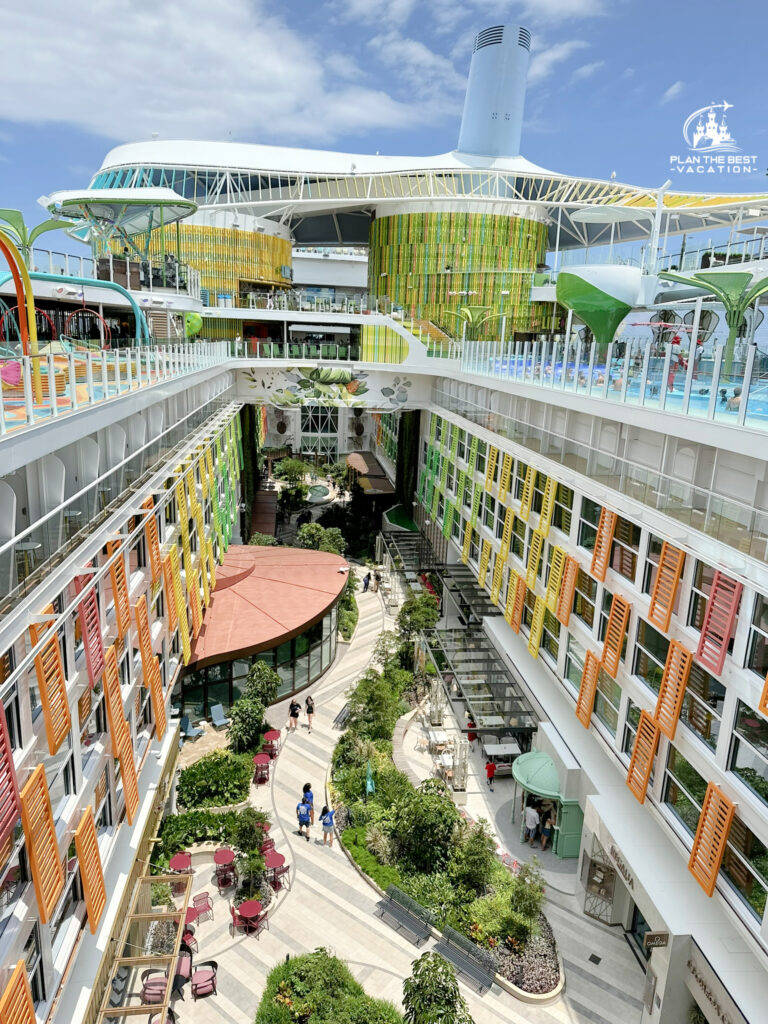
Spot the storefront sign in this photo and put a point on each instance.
(621, 867)
(709, 992)
(656, 940)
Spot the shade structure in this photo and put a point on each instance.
(537, 774)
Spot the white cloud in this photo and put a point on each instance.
(552, 11)
(587, 70)
(544, 61)
(251, 73)
(674, 90)
(387, 13)
(419, 68)
(628, 73)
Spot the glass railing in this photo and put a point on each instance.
(638, 373)
(28, 556)
(162, 274)
(38, 388)
(730, 522)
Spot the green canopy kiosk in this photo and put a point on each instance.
(536, 773)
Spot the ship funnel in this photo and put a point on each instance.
(493, 107)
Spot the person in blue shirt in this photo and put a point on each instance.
(302, 813)
(327, 821)
(309, 796)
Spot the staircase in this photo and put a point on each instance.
(437, 342)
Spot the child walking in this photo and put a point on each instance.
(327, 821)
(302, 813)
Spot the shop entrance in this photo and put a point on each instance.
(637, 930)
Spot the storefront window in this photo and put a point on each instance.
(684, 790)
(584, 598)
(607, 700)
(749, 753)
(650, 654)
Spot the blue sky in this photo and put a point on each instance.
(610, 85)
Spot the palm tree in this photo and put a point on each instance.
(22, 236)
(472, 318)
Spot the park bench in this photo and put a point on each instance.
(341, 719)
(475, 965)
(406, 915)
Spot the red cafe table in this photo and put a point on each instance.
(223, 857)
(273, 860)
(261, 767)
(249, 910)
(272, 740)
(180, 862)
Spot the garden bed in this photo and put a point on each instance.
(414, 837)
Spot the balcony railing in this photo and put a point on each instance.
(73, 380)
(164, 275)
(635, 372)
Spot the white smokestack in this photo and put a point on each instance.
(493, 107)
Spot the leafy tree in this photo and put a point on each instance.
(386, 648)
(423, 826)
(321, 538)
(419, 612)
(431, 994)
(333, 541)
(528, 892)
(250, 868)
(474, 859)
(263, 540)
(374, 706)
(246, 718)
(339, 473)
(292, 471)
(262, 683)
(247, 834)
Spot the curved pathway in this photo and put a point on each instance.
(329, 904)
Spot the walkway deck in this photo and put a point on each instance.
(331, 905)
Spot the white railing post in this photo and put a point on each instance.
(73, 379)
(104, 374)
(128, 367)
(52, 385)
(89, 375)
(3, 427)
(26, 366)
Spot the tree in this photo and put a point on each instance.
(262, 683)
(263, 540)
(321, 538)
(374, 706)
(431, 994)
(424, 823)
(22, 236)
(474, 858)
(333, 541)
(528, 893)
(246, 718)
(419, 612)
(292, 471)
(247, 834)
(386, 649)
(339, 474)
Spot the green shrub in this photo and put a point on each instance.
(431, 995)
(246, 832)
(353, 840)
(374, 706)
(180, 831)
(423, 826)
(318, 987)
(217, 779)
(262, 683)
(474, 857)
(262, 540)
(246, 718)
(528, 891)
(437, 893)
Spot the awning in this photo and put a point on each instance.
(537, 774)
(365, 462)
(376, 485)
(318, 329)
(132, 210)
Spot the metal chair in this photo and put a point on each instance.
(267, 845)
(204, 979)
(237, 921)
(203, 904)
(260, 923)
(277, 874)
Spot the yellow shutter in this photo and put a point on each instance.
(467, 542)
(482, 570)
(193, 585)
(506, 537)
(534, 557)
(151, 539)
(490, 468)
(505, 477)
(537, 627)
(548, 505)
(526, 500)
(181, 605)
(170, 597)
(91, 871)
(498, 575)
(556, 568)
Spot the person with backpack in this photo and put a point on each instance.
(326, 819)
(303, 815)
(366, 582)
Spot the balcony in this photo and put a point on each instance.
(161, 275)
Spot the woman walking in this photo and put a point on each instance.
(327, 821)
(293, 715)
(304, 816)
(309, 798)
(309, 707)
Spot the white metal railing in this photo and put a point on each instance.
(36, 389)
(164, 275)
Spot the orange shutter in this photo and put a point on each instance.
(158, 701)
(119, 588)
(665, 586)
(128, 775)
(90, 628)
(91, 872)
(49, 669)
(601, 554)
(16, 1006)
(711, 837)
(170, 597)
(586, 699)
(567, 590)
(643, 753)
(672, 689)
(719, 618)
(150, 667)
(9, 788)
(113, 699)
(763, 705)
(42, 849)
(152, 540)
(614, 634)
(513, 612)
